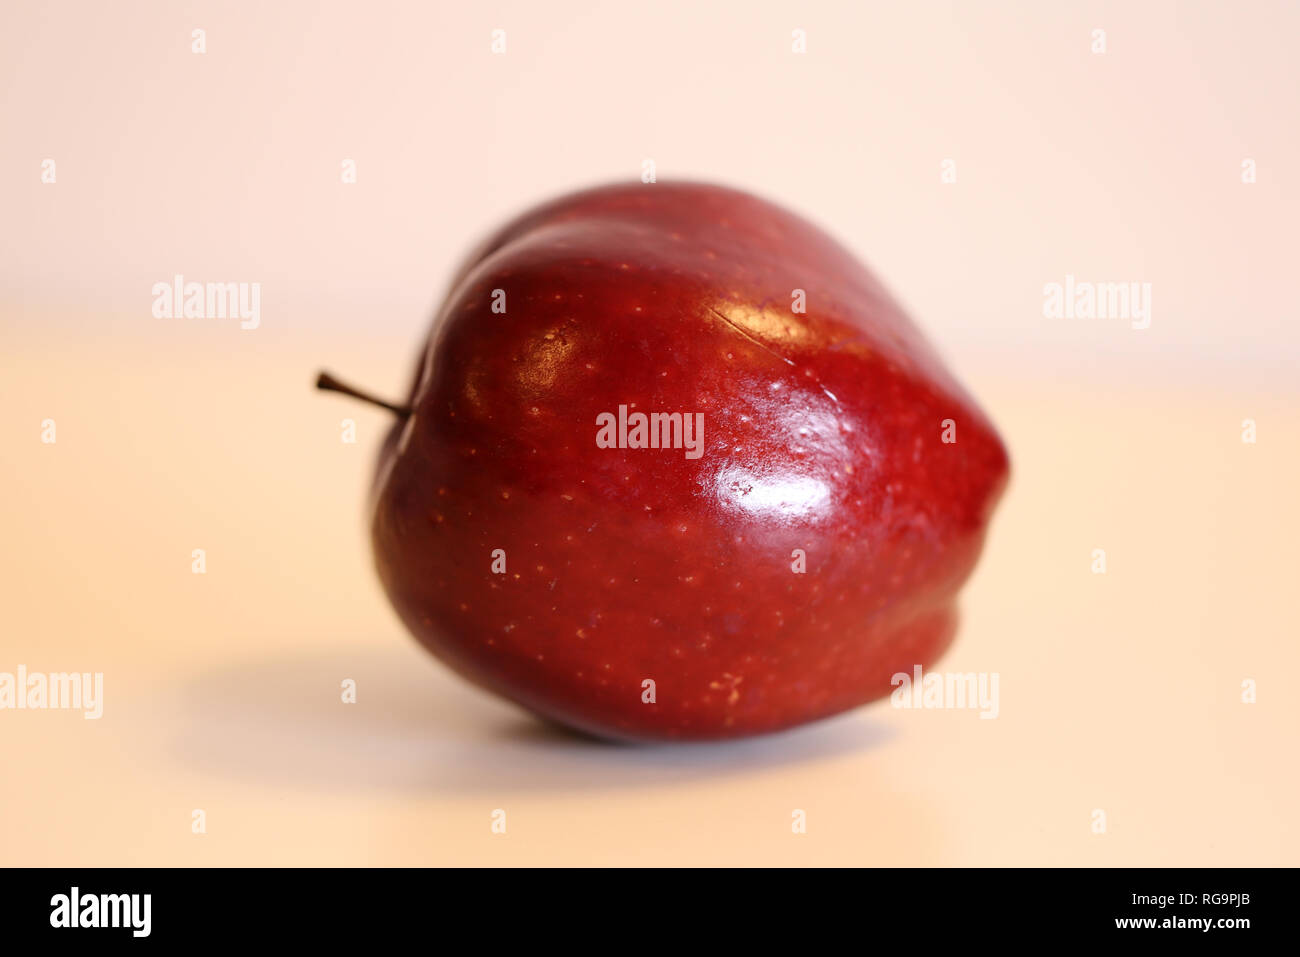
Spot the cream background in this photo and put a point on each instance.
(1118, 692)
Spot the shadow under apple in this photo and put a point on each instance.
(416, 727)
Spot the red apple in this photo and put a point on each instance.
(811, 549)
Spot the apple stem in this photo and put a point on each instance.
(328, 383)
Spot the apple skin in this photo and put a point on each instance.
(822, 433)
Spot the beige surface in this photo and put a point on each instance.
(1118, 692)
